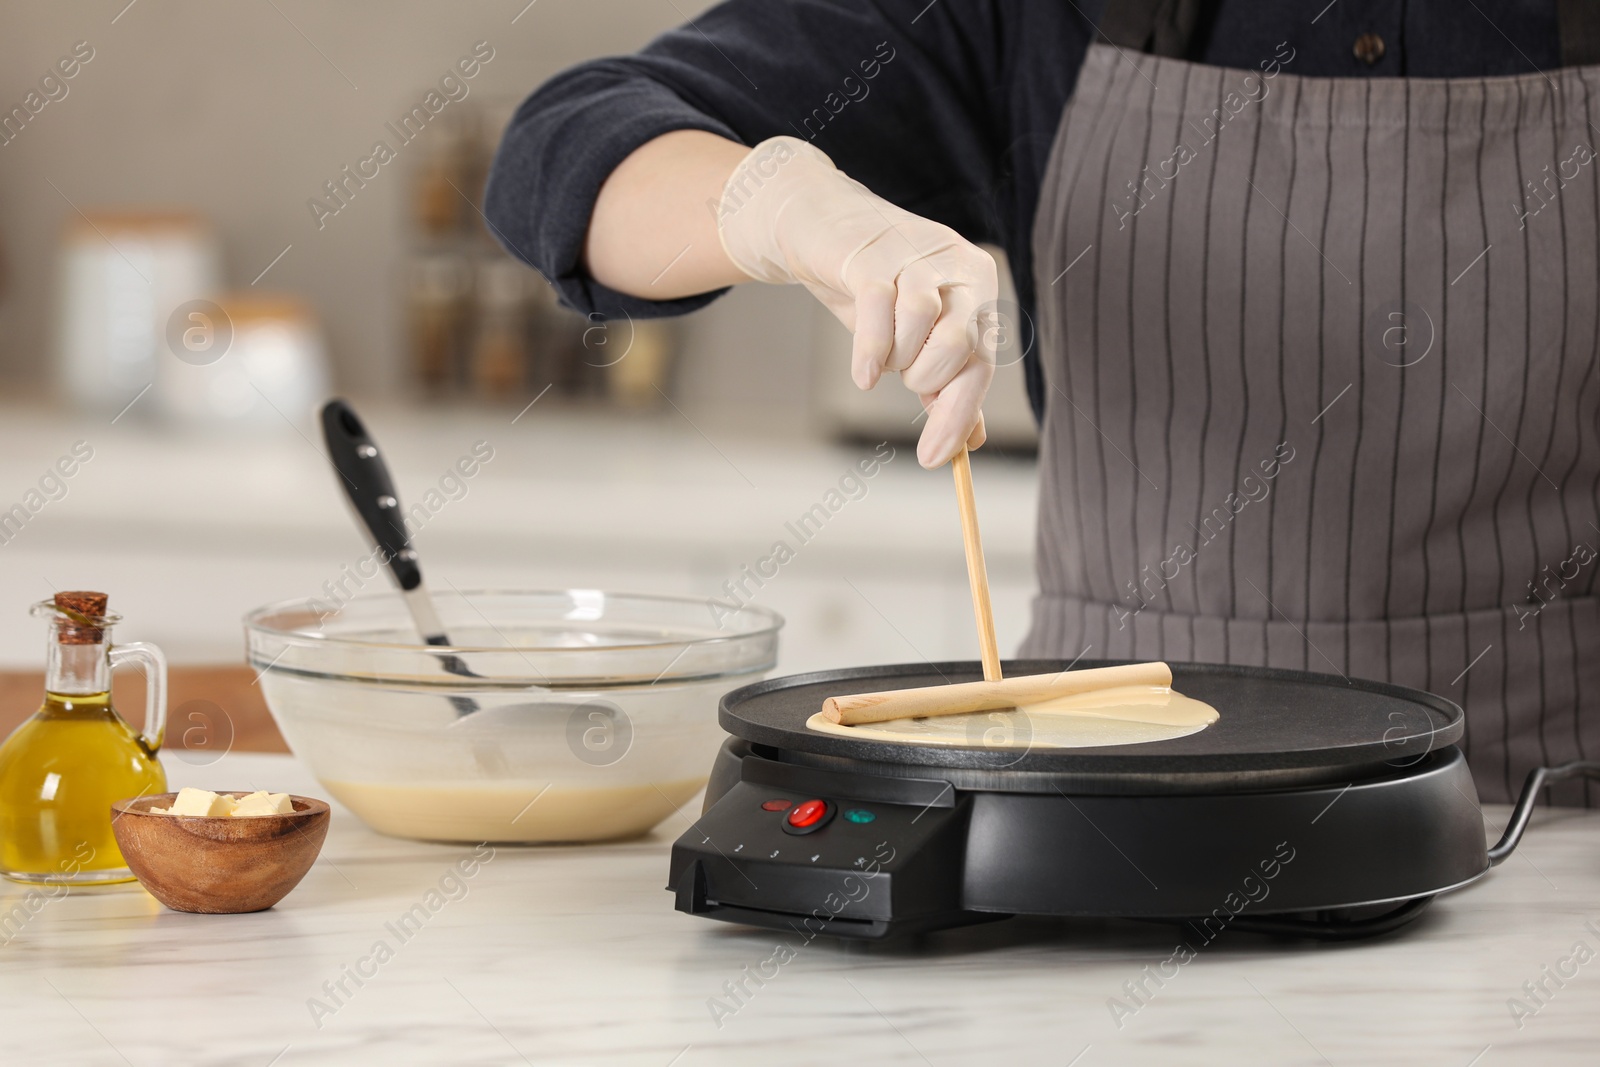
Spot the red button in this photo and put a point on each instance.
(808, 814)
(776, 805)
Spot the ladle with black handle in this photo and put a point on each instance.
(367, 484)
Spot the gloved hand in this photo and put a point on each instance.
(915, 293)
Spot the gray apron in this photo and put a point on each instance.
(1321, 364)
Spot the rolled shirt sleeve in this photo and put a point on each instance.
(906, 97)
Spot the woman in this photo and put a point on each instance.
(1315, 295)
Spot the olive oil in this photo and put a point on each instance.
(61, 770)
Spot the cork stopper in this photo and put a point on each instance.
(82, 609)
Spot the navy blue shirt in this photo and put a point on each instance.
(947, 108)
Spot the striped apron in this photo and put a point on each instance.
(1321, 363)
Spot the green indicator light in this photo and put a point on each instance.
(858, 815)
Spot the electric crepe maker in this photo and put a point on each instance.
(1315, 806)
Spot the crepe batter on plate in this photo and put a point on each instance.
(1126, 715)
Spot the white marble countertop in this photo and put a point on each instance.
(575, 955)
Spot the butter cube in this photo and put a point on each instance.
(191, 801)
(263, 803)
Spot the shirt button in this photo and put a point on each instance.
(1369, 48)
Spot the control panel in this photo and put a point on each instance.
(769, 854)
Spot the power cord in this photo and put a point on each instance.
(1537, 779)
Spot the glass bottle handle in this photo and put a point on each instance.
(155, 687)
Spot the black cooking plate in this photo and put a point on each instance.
(1273, 723)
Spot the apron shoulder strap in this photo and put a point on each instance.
(1160, 27)
(1580, 32)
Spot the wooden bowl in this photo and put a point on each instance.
(218, 864)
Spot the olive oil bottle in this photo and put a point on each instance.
(61, 770)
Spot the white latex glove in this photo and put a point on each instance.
(915, 293)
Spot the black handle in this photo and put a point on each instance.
(365, 479)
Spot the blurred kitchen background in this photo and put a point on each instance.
(174, 304)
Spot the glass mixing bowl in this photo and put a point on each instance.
(572, 715)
